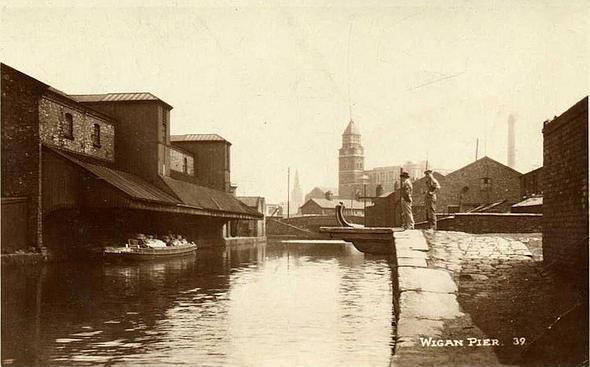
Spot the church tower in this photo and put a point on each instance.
(351, 163)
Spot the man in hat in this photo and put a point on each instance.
(432, 186)
(406, 201)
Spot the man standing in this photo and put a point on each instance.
(432, 187)
(406, 201)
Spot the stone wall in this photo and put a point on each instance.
(492, 223)
(21, 149)
(565, 190)
(177, 158)
(52, 116)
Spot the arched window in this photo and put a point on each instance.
(96, 135)
(68, 126)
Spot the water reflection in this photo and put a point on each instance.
(279, 304)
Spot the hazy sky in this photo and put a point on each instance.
(424, 81)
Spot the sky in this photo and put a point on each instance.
(280, 81)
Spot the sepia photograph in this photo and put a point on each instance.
(312, 183)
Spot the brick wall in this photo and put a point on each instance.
(21, 149)
(52, 112)
(382, 213)
(464, 187)
(14, 224)
(177, 161)
(565, 190)
(492, 223)
(531, 183)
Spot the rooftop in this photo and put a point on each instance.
(197, 137)
(351, 129)
(117, 97)
(250, 201)
(537, 200)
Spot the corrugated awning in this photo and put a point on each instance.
(207, 198)
(202, 200)
(130, 184)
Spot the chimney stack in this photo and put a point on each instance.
(511, 142)
(329, 195)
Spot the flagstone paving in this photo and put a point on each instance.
(490, 286)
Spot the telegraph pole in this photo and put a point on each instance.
(288, 190)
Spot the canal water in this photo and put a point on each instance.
(279, 304)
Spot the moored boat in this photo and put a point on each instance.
(135, 250)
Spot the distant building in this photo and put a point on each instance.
(296, 198)
(484, 185)
(355, 181)
(385, 177)
(327, 207)
(483, 182)
(252, 228)
(320, 193)
(531, 183)
(415, 170)
(274, 210)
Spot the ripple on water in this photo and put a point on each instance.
(304, 305)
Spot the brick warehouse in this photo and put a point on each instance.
(483, 184)
(78, 170)
(565, 190)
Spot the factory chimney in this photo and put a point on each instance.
(511, 141)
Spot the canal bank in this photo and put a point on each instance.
(484, 300)
(431, 327)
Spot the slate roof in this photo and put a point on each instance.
(196, 137)
(117, 97)
(250, 201)
(206, 198)
(351, 129)
(130, 184)
(188, 194)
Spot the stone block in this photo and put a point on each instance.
(431, 280)
(411, 262)
(429, 305)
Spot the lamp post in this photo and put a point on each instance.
(365, 178)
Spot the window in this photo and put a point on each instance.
(185, 165)
(68, 126)
(96, 135)
(486, 183)
(164, 127)
(227, 157)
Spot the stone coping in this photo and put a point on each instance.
(497, 215)
(427, 309)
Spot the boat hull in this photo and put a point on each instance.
(369, 240)
(144, 254)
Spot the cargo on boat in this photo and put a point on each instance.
(155, 249)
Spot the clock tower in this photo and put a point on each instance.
(351, 165)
